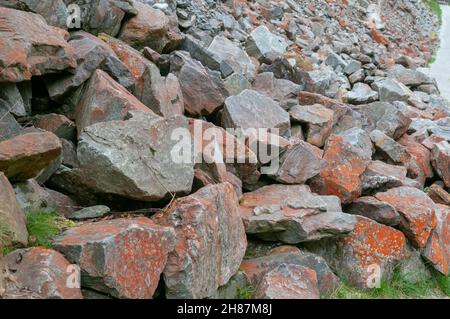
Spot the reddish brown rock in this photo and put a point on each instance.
(254, 269)
(105, 100)
(370, 247)
(417, 212)
(318, 119)
(342, 174)
(25, 156)
(299, 163)
(58, 124)
(292, 214)
(439, 195)
(151, 28)
(441, 161)
(418, 165)
(288, 282)
(37, 48)
(374, 209)
(13, 228)
(121, 257)
(44, 272)
(437, 250)
(161, 94)
(203, 94)
(380, 176)
(211, 242)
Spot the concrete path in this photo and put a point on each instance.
(440, 69)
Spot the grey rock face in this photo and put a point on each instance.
(133, 158)
(361, 94)
(251, 109)
(90, 212)
(391, 90)
(262, 44)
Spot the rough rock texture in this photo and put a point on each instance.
(369, 245)
(292, 214)
(37, 49)
(417, 212)
(44, 272)
(12, 218)
(375, 209)
(210, 243)
(441, 161)
(122, 257)
(133, 158)
(25, 156)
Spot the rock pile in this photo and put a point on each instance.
(99, 120)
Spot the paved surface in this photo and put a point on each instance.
(440, 69)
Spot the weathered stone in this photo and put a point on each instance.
(236, 83)
(255, 268)
(346, 162)
(230, 53)
(90, 212)
(103, 15)
(44, 272)
(409, 77)
(361, 94)
(121, 257)
(417, 212)
(441, 161)
(37, 47)
(54, 11)
(13, 228)
(8, 125)
(374, 209)
(283, 91)
(352, 67)
(105, 100)
(264, 45)
(202, 93)
(151, 28)
(58, 124)
(133, 158)
(33, 198)
(380, 176)
(299, 163)
(439, 195)
(391, 90)
(318, 119)
(242, 162)
(25, 156)
(250, 109)
(288, 282)
(161, 94)
(208, 255)
(389, 148)
(385, 117)
(437, 250)
(11, 99)
(358, 255)
(291, 214)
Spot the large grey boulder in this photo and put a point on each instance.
(361, 94)
(263, 44)
(251, 109)
(391, 90)
(133, 158)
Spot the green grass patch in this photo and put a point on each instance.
(398, 288)
(43, 225)
(435, 7)
(245, 292)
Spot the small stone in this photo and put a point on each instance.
(90, 212)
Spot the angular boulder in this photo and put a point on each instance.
(13, 228)
(136, 158)
(441, 161)
(371, 249)
(374, 209)
(251, 109)
(151, 28)
(44, 272)
(437, 250)
(25, 156)
(264, 45)
(211, 242)
(292, 214)
(361, 93)
(417, 212)
(121, 257)
(105, 100)
(37, 48)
